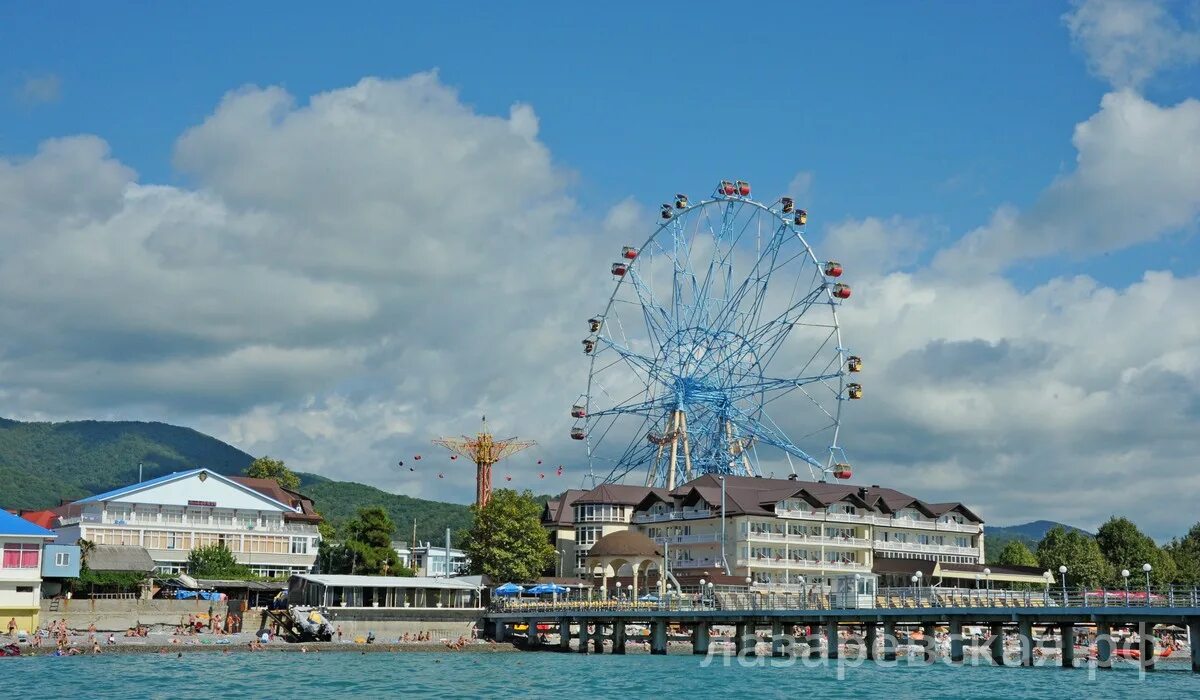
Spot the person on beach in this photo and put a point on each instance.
(111, 639)
(12, 626)
(339, 633)
(95, 647)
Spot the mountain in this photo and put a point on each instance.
(995, 538)
(42, 464)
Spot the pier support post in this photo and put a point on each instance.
(500, 632)
(872, 631)
(1146, 637)
(531, 634)
(1025, 627)
(658, 637)
(582, 648)
(956, 641)
(745, 639)
(598, 638)
(996, 642)
(777, 641)
(889, 640)
(618, 637)
(831, 640)
(700, 638)
(928, 640)
(1104, 645)
(1193, 626)
(564, 634)
(1066, 633)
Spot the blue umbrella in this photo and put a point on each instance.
(544, 588)
(649, 597)
(508, 589)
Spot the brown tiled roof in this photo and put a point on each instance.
(271, 489)
(617, 494)
(906, 567)
(754, 496)
(624, 543)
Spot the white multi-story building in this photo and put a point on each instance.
(268, 528)
(578, 519)
(430, 560)
(777, 532)
(21, 552)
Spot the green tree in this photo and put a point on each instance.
(275, 469)
(507, 541)
(216, 561)
(1015, 553)
(1124, 546)
(1081, 555)
(367, 546)
(1185, 553)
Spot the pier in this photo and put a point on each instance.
(593, 622)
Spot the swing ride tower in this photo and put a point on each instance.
(484, 450)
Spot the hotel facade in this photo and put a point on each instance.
(779, 533)
(268, 528)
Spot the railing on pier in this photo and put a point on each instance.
(887, 598)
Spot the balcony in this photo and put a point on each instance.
(807, 540)
(687, 514)
(878, 520)
(929, 548)
(772, 563)
(688, 539)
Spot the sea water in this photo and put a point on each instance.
(550, 675)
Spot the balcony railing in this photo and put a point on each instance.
(180, 527)
(807, 540)
(785, 563)
(932, 548)
(688, 539)
(687, 514)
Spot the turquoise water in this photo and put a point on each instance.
(546, 675)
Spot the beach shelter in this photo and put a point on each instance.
(509, 589)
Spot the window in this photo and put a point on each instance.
(24, 589)
(587, 536)
(20, 556)
(62, 559)
(172, 516)
(300, 545)
(222, 518)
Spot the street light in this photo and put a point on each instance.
(1062, 570)
(1125, 575)
(724, 560)
(618, 591)
(987, 577)
(914, 580)
(1047, 577)
(1147, 568)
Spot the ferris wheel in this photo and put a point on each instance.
(719, 350)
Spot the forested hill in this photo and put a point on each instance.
(42, 464)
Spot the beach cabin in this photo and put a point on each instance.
(342, 591)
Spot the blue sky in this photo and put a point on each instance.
(922, 120)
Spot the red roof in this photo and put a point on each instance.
(42, 518)
(271, 489)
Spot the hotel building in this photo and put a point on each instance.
(268, 528)
(777, 532)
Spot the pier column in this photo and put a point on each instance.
(618, 637)
(1104, 645)
(996, 642)
(598, 638)
(869, 638)
(531, 634)
(929, 641)
(1025, 626)
(1193, 626)
(501, 631)
(582, 648)
(777, 641)
(564, 634)
(889, 640)
(700, 638)
(1066, 632)
(744, 638)
(658, 637)
(831, 640)
(1146, 637)
(956, 641)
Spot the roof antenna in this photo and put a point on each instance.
(139, 472)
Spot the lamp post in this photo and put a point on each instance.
(1047, 577)
(803, 592)
(712, 594)
(987, 576)
(618, 591)
(1062, 571)
(1147, 568)
(724, 560)
(976, 586)
(915, 580)
(1125, 575)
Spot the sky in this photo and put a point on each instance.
(330, 237)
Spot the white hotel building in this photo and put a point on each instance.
(779, 532)
(268, 528)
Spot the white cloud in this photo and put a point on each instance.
(1136, 178)
(801, 184)
(1128, 41)
(873, 246)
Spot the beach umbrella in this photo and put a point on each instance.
(509, 589)
(649, 597)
